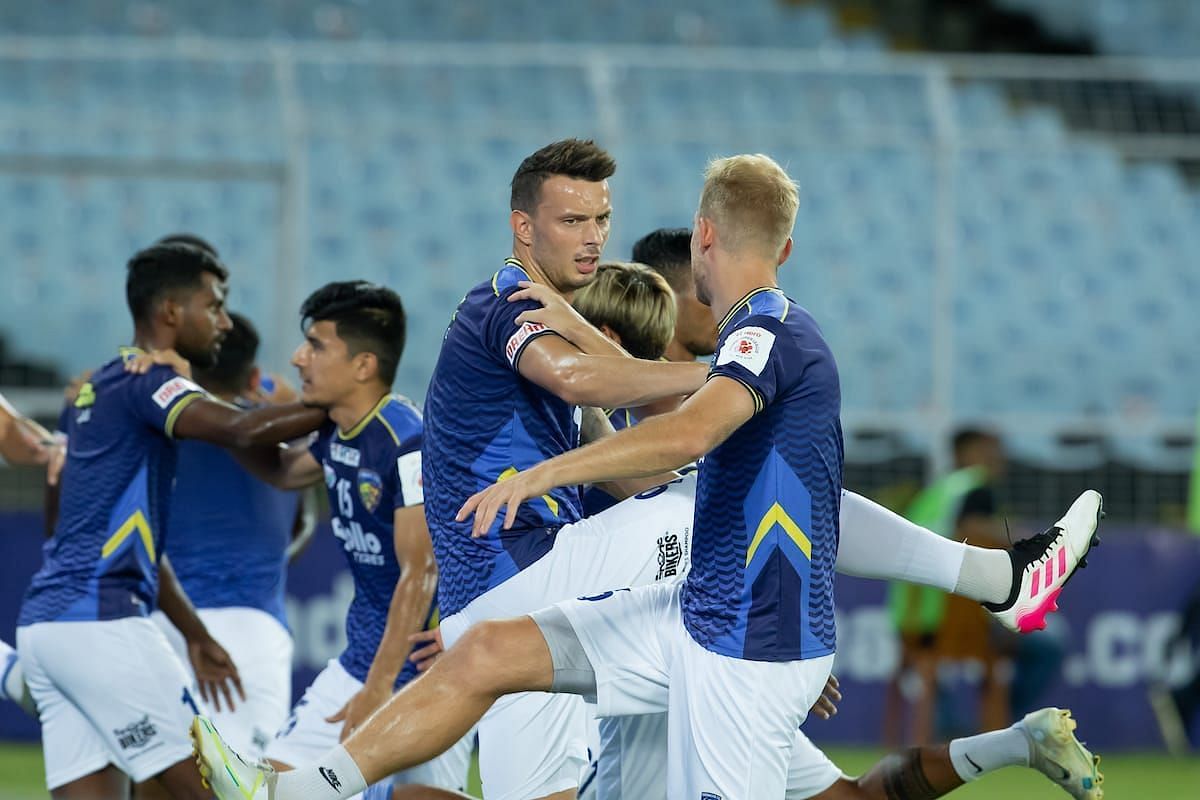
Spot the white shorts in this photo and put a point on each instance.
(261, 650)
(307, 736)
(732, 722)
(107, 692)
(534, 744)
(633, 757)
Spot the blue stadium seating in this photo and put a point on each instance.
(1067, 262)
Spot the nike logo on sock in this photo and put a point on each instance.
(331, 778)
(971, 761)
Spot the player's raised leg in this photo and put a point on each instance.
(1019, 586)
(423, 720)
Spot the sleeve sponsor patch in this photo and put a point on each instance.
(520, 337)
(750, 347)
(408, 467)
(174, 389)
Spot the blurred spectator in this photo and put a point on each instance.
(935, 628)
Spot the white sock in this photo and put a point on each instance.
(334, 776)
(878, 543)
(986, 575)
(973, 756)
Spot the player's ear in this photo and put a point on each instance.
(522, 226)
(706, 232)
(785, 252)
(611, 334)
(255, 380)
(366, 366)
(170, 311)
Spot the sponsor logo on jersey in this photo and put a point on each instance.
(173, 389)
(136, 735)
(749, 346)
(670, 553)
(709, 796)
(363, 547)
(517, 339)
(344, 455)
(370, 488)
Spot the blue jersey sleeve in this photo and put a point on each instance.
(409, 489)
(760, 354)
(505, 339)
(318, 440)
(160, 395)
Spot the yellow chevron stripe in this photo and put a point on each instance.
(777, 516)
(551, 503)
(136, 522)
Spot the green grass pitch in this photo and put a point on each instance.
(1127, 777)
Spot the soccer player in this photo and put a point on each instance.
(742, 649)
(218, 509)
(368, 452)
(118, 712)
(503, 397)
(668, 251)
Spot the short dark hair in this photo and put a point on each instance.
(235, 361)
(192, 239)
(369, 319)
(668, 251)
(582, 159)
(161, 269)
(965, 437)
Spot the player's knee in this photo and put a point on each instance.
(500, 656)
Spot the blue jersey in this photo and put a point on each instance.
(370, 471)
(484, 422)
(768, 498)
(219, 508)
(102, 561)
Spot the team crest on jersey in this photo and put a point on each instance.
(330, 476)
(370, 488)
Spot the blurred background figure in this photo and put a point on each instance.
(936, 629)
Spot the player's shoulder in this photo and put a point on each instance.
(397, 422)
(508, 278)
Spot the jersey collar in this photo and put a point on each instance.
(740, 304)
(362, 423)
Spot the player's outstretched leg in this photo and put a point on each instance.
(12, 680)
(1043, 564)
(1044, 740)
(421, 721)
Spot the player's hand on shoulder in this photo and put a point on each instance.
(826, 705)
(141, 363)
(508, 493)
(215, 672)
(365, 702)
(427, 646)
(556, 313)
(274, 390)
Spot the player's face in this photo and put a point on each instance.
(327, 370)
(695, 327)
(699, 265)
(568, 231)
(203, 323)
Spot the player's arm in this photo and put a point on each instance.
(654, 446)
(289, 466)
(213, 667)
(406, 616)
(22, 441)
(594, 426)
(305, 523)
(604, 381)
